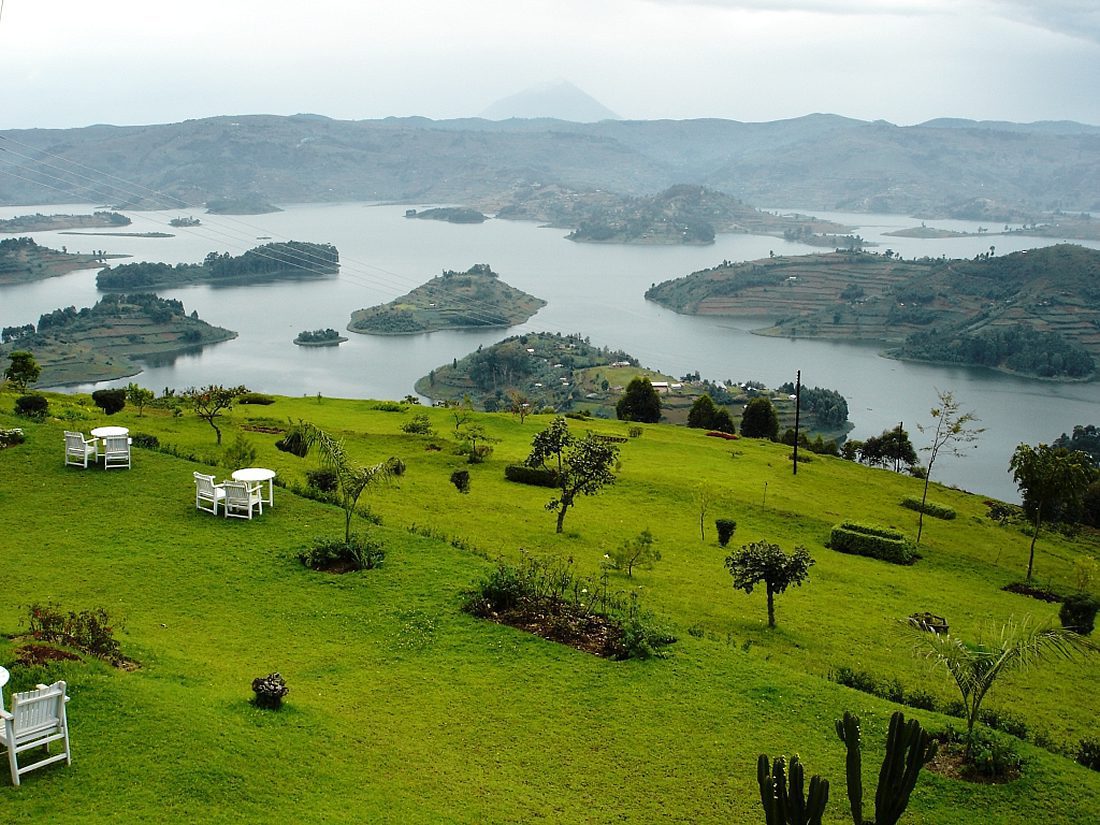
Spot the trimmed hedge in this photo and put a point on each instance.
(874, 542)
(930, 508)
(1078, 613)
(537, 476)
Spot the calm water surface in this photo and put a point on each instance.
(592, 289)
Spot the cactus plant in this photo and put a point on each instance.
(782, 793)
(908, 748)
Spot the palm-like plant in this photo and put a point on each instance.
(976, 666)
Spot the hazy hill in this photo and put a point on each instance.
(560, 100)
(819, 161)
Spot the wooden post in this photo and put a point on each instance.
(797, 410)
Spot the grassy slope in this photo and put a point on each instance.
(404, 709)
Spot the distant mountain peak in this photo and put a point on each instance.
(558, 99)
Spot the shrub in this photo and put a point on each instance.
(337, 556)
(323, 479)
(1088, 753)
(994, 756)
(269, 691)
(418, 425)
(110, 401)
(145, 441)
(89, 631)
(256, 398)
(11, 437)
(395, 466)
(32, 406)
(930, 508)
(635, 432)
(874, 542)
(726, 528)
(241, 453)
(537, 476)
(389, 406)
(1078, 613)
(461, 480)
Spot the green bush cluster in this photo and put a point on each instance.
(929, 508)
(323, 479)
(990, 755)
(418, 425)
(110, 401)
(32, 406)
(11, 437)
(1078, 613)
(875, 542)
(335, 554)
(536, 476)
(89, 631)
(461, 480)
(725, 528)
(1088, 753)
(256, 398)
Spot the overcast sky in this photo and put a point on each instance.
(75, 62)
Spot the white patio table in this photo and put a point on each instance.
(256, 475)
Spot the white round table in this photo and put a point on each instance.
(256, 475)
(108, 432)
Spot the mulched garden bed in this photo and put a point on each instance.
(1035, 591)
(39, 654)
(560, 623)
(949, 762)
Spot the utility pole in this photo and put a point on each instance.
(797, 410)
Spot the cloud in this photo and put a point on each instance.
(1077, 18)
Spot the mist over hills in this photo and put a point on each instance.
(981, 170)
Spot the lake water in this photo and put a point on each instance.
(595, 290)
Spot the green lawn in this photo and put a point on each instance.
(404, 709)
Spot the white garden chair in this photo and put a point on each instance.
(79, 449)
(116, 452)
(208, 494)
(241, 498)
(37, 718)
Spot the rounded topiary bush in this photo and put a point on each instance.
(1078, 613)
(110, 401)
(269, 691)
(32, 406)
(461, 480)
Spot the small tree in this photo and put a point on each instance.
(953, 430)
(703, 497)
(635, 552)
(640, 402)
(583, 467)
(110, 401)
(22, 372)
(759, 419)
(763, 562)
(351, 481)
(1012, 646)
(477, 442)
(461, 411)
(138, 397)
(1051, 480)
(519, 405)
(211, 401)
(702, 412)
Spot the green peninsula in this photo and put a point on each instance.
(23, 261)
(453, 300)
(271, 261)
(45, 223)
(1035, 312)
(105, 341)
(451, 214)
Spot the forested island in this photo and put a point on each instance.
(683, 214)
(268, 262)
(247, 205)
(184, 222)
(453, 300)
(45, 223)
(22, 261)
(451, 214)
(104, 341)
(566, 373)
(1033, 313)
(319, 338)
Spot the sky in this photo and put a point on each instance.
(66, 63)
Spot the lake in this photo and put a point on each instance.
(592, 289)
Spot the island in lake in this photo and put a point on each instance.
(1035, 312)
(453, 300)
(263, 263)
(22, 261)
(566, 373)
(248, 205)
(105, 341)
(47, 223)
(451, 214)
(319, 338)
(184, 222)
(683, 214)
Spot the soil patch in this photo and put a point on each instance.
(949, 762)
(39, 654)
(560, 623)
(1034, 591)
(255, 428)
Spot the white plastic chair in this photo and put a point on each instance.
(241, 498)
(208, 494)
(116, 452)
(37, 718)
(79, 449)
